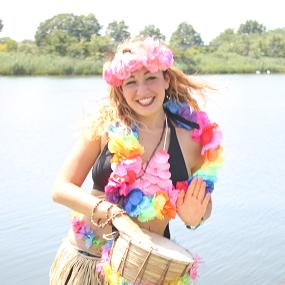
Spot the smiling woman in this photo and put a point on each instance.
(154, 156)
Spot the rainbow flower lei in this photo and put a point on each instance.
(152, 195)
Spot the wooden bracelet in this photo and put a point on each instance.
(109, 218)
(94, 210)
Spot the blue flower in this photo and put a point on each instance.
(132, 200)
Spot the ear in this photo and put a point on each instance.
(166, 80)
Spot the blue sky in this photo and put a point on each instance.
(208, 17)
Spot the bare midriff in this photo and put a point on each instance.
(156, 226)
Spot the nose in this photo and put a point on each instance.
(141, 88)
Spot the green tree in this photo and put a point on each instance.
(152, 31)
(1, 25)
(185, 37)
(275, 45)
(118, 31)
(78, 49)
(225, 38)
(101, 47)
(59, 41)
(7, 44)
(78, 27)
(251, 27)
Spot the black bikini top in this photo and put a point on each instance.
(101, 170)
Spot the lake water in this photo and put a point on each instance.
(242, 243)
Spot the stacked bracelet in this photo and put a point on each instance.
(195, 227)
(109, 218)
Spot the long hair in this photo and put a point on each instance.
(181, 89)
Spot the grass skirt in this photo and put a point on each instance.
(71, 267)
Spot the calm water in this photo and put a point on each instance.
(242, 243)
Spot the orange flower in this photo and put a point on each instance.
(168, 210)
(212, 154)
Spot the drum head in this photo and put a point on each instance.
(162, 246)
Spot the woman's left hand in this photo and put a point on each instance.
(192, 204)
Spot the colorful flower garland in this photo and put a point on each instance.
(152, 195)
(84, 232)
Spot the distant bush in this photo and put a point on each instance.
(16, 63)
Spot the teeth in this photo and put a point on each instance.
(145, 101)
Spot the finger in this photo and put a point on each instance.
(180, 199)
(206, 201)
(202, 190)
(198, 187)
(191, 187)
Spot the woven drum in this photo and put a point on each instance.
(155, 261)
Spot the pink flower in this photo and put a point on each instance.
(131, 62)
(151, 54)
(77, 224)
(194, 268)
(109, 76)
(119, 68)
(165, 58)
(133, 164)
(173, 195)
(215, 141)
(202, 119)
(120, 170)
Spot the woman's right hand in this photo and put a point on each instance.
(123, 223)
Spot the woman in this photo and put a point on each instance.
(149, 143)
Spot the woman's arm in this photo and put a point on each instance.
(67, 188)
(68, 192)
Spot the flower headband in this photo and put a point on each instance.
(150, 54)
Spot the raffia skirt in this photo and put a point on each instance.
(72, 267)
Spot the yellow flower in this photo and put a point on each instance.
(159, 202)
(124, 147)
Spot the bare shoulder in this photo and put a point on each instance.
(191, 149)
(80, 160)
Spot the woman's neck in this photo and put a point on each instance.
(152, 123)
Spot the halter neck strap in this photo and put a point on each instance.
(166, 133)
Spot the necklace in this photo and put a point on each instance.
(148, 193)
(165, 125)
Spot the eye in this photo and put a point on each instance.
(131, 82)
(151, 78)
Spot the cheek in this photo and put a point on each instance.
(128, 97)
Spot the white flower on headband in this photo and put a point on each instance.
(150, 54)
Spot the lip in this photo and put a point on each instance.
(147, 101)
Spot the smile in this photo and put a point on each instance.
(146, 101)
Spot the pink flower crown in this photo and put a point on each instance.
(150, 54)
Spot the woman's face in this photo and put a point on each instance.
(145, 91)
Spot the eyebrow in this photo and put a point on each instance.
(143, 74)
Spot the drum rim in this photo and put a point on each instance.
(139, 244)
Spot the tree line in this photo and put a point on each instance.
(81, 37)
